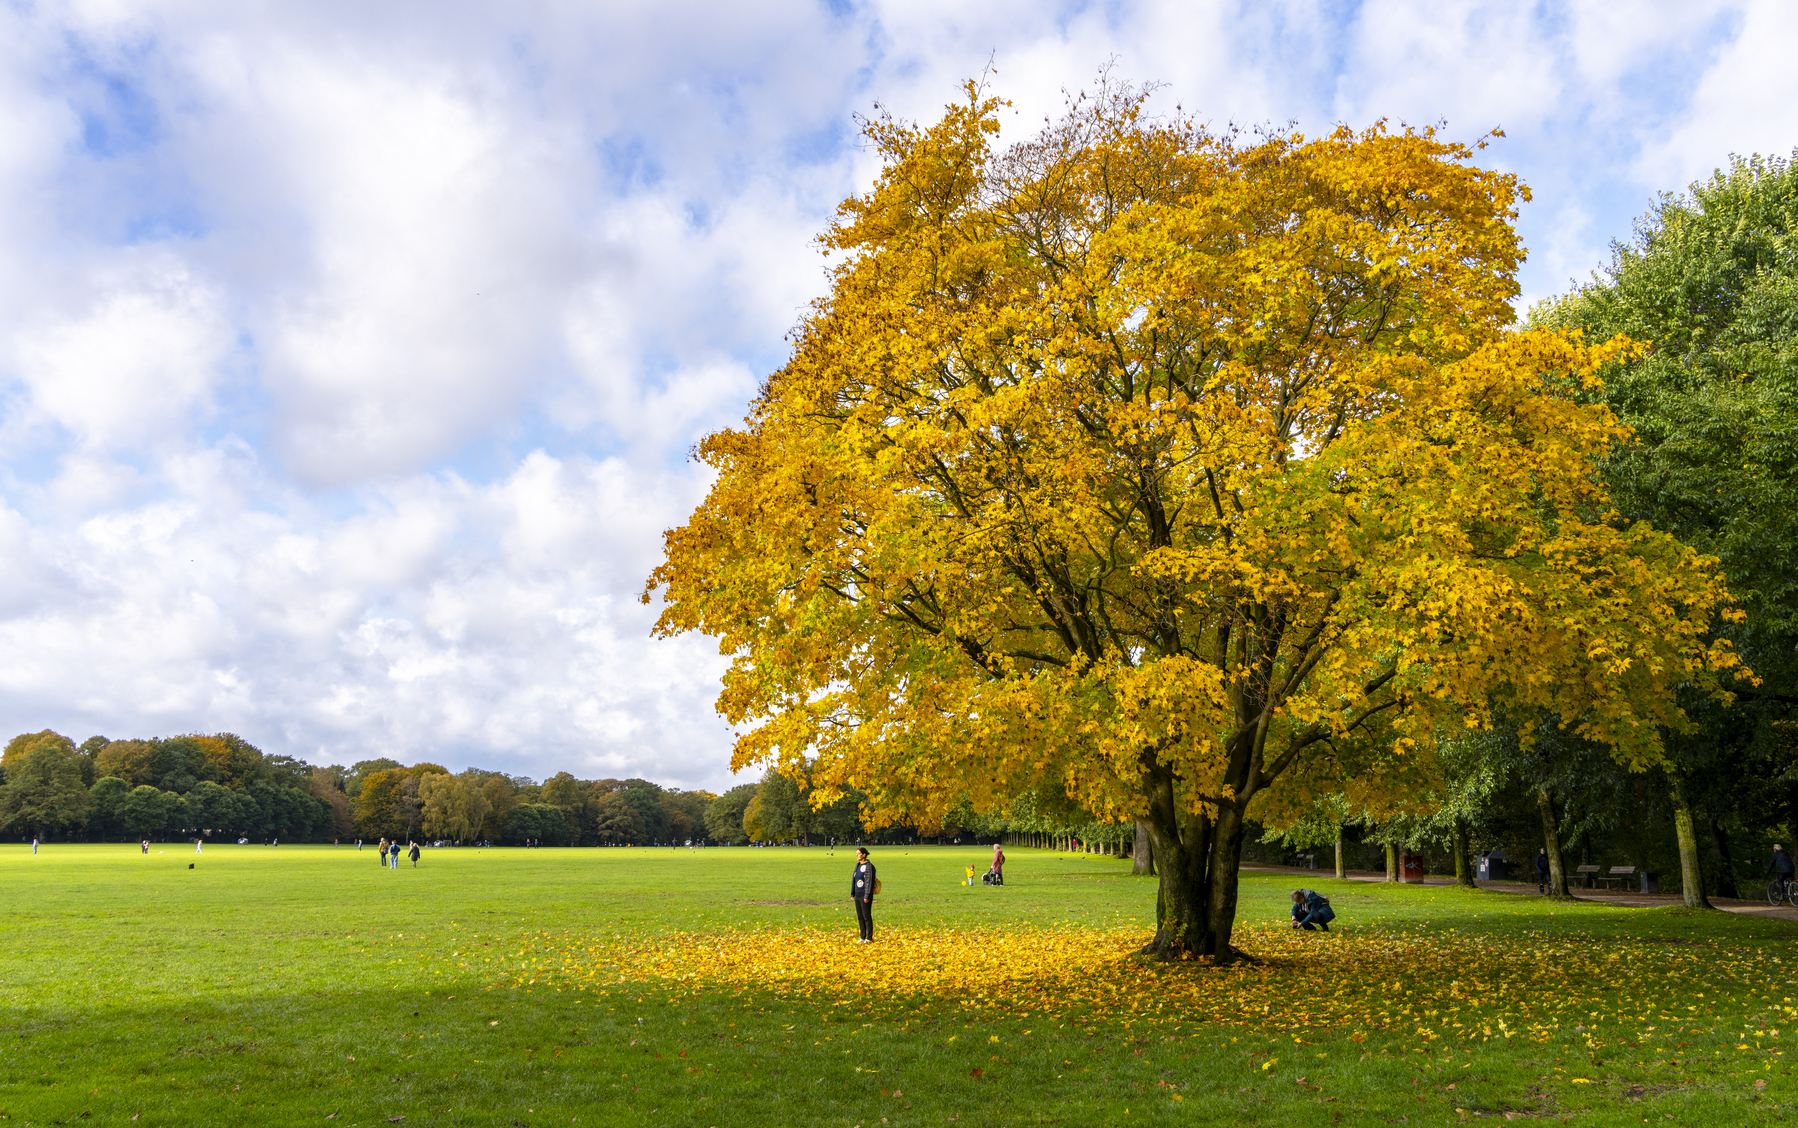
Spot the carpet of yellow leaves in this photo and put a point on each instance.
(1421, 986)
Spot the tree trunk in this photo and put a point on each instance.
(1196, 861)
(1551, 838)
(1143, 858)
(1691, 874)
(1726, 864)
(1463, 856)
(1341, 873)
(1391, 863)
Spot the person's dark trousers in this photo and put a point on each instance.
(864, 916)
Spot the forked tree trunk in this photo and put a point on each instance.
(1691, 873)
(1196, 861)
(1463, 868)
(1551, 838)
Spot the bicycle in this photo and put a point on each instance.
(1780, 889)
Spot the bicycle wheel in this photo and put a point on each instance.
(1776, 892)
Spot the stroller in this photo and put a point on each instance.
(992, 877)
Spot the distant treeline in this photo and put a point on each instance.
(115, 789)
(221, 786)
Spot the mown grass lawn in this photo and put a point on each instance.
(304, 984)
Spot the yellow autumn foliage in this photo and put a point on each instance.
(1164, 467)
(1427, 985)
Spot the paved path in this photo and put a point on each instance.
(1517, 888)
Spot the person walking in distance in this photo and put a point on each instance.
(413, 853)
(383, 853)
(862, 885)
(1542, 870)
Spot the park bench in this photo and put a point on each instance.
(1619, 875)
(1590, 873)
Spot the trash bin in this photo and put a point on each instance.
(1412, 870)
(1651, 881)
(1492, 866)
(1310, 860)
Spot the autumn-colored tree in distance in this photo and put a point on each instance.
(1160, 466)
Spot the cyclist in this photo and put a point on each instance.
(1781, 863)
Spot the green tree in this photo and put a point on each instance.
(616, 821)
(1710, 280)
(43, 794)
(536, 821)
(106, 799)
(88, 754)
(724, 818)
(686, 813)
(213, 807)
(145, 812)
(570, 796)
(647, 798)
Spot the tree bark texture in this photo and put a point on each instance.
(1691, 872)
(1142, 861)
(1391, 863)
(1726, 863)
(1463, 866)
(1196, 859)
(1341, 873)
(1551, 839)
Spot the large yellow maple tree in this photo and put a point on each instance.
(1161, 466)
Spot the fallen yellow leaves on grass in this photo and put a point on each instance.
(1425, 985)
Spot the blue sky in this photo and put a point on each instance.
(350, 354)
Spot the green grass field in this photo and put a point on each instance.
(304, 984)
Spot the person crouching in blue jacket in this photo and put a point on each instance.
(1311, 910)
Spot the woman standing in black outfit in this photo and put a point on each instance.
(861, 891)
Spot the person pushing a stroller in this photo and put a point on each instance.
(996, 874)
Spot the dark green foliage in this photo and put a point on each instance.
(724, 817)
(1711, 280)
(43, 794)
(105, 802)
(616, 822)
(145, 811)
(87, 754)
(788, 813)
(536, 822)
(646, 798)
